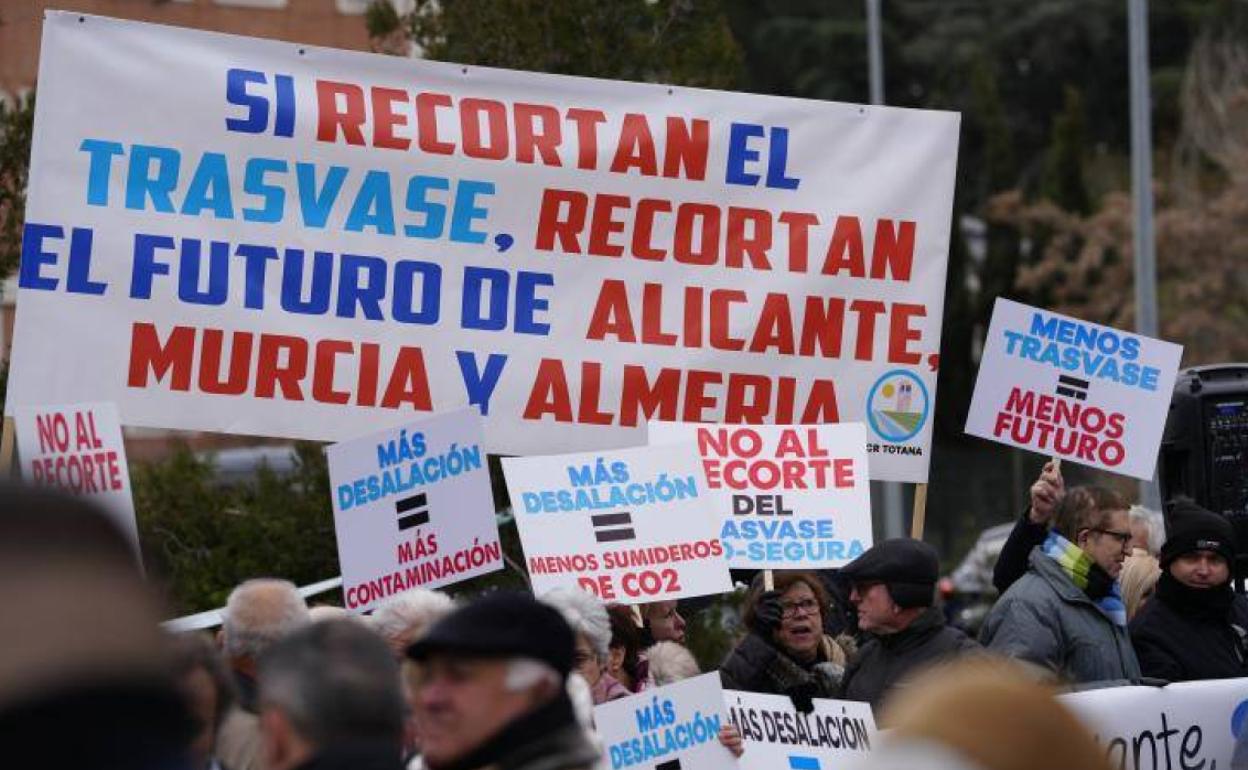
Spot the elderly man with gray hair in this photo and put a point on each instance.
(329, 699)
(489, 689)
(258, 613)
(1148, 529)
(402, 619)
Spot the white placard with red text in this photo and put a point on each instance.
(631, 525)
(78, 449)
(252, 236)
(1073, 390)
(413, 508)
(789, 497)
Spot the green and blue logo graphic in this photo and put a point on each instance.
(898, 406)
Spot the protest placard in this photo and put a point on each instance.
(670, 728)
(251, 236)
(1184, 725)
(789, 497)
(779, 737)
(1073, 390)
(413, 508)
(631, 525)
(78, 449)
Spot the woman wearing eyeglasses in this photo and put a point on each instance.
(1067, 613)
(786, 651)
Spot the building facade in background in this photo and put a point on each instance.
(332, 23)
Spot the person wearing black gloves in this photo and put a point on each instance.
(894, 588)
(786, 651)
(1195, 626)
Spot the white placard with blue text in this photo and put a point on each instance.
(674, 727)
(630, 526)
(230, 234)
(413, 508)
(779, 737)
(789, 497)
(1073, 390)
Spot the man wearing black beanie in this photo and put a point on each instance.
(1195, 626)
(893, 587)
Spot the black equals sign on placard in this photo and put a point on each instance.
(1073, 387)
(419, 507)
(613, 526)
(671, 764)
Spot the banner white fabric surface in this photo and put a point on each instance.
(789, 497)
(248, 236)
(1187, 725)
(1072, 389)
(413, 508)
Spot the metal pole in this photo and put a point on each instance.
(893, 496)
(1142, 190)
(875, 52)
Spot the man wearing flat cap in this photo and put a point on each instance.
(1195, 626)
(893, 587)
(489, 690)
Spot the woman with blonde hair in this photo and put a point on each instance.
(1138, 580)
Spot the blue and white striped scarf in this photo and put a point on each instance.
(1079, 567)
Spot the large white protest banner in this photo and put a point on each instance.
(789, 497)
(413, 508)
(630, 525)
(1073, 390)
(1186, 725)
(78, 449)
(779, 737)
(671, 728)
(250, 236)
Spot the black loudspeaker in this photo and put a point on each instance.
(1204, 449)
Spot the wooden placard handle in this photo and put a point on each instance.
(8, 440)
(920, 511)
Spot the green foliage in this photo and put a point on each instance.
(1063, 175)
(686, 42)
(714, 630)
(201, 538)
(381, 19)
(16, 129)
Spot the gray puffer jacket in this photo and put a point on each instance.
(1044, 618)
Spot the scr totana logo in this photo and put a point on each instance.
(897, 406)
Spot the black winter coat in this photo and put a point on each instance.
(887, 659)
(756, 665)
(1178, 644)
(1012, 563)
(361, 756)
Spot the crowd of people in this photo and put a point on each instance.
(508, 680)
